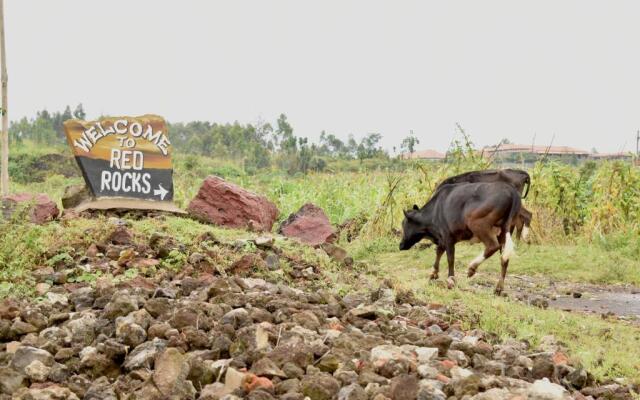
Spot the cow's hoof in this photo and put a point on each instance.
(471, 272)
(498, 291)
(433, 276)
(451, 282)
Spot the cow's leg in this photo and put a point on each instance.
(436, 264)
(503, 274)
(451, 255)
(491, 245)
(525, 233)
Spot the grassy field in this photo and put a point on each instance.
(585, 229)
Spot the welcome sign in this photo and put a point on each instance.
(125, 161)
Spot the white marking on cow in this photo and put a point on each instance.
(525, 233)
(509, 248)
(477, 261)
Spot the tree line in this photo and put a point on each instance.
(259, 145)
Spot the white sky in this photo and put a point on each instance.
(500, 68)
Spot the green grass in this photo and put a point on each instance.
(573, 263)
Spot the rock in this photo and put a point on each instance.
(83, 329)
(42, 288)
(404, 387)
(74, 195)
(310, 225)
(129, 333)
(545, 390)
(441, 342)
(390, 360)
(40, 208)
(320, 386)
(121, 304)
(170, 375)
(246, 264)
(273, 261)
(213, 391)
(266, 367)
(252, 382)
(466, 384)
(337, 254)
(264, 242)
(11, 380)
(100, 389)
(233, 380)
(96, 364)
(543, 367)
(20, 328)
(299, 354)
(144, 355)
(578, 378)
(223, 203)
(37, 371)
(426, 354)
(121, 236)
(428, 372)
(53, 392)
(26, 355)
(352, 392)
(11, 347)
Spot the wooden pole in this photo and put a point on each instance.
(4, 178)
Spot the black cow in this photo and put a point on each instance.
(517, 177)
(458, 212)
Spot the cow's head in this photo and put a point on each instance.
(414, 228)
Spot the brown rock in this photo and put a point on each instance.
(120, 236)
(74, 195)
(40, 207)
(222, 203)
(246, 264)
(404, 387)
(309, 225)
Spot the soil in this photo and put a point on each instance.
(618, 301)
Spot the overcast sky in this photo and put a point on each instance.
(502, 69)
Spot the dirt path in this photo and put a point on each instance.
(618, 301)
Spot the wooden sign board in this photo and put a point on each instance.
(125, 161)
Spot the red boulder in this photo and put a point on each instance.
(40, 207)
(309, 225)
(222, 203)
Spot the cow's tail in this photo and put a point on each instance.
(508, 249)
(527, 182)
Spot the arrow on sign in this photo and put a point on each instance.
(160, 191)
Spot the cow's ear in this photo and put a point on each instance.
(415, 207)
(406, 214)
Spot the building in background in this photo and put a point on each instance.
(624, 156)
(513, 155)
(431, 155)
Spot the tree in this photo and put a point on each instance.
(409, 143)
(79, 112)
(284, 135)
(4, 164)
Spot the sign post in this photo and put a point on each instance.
(125, 161)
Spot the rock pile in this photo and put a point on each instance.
(245, 338)
(214, 331)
